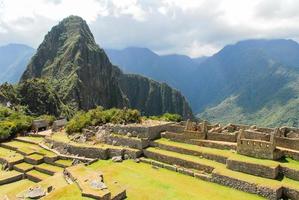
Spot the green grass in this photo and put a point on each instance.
(69, 192)
(32, 139)
(8, 174)
(38, 174)
(195, 159)
(13, 189)
(249, 178)
(9, 155)
(51, 168)
(251, 160)
(35, 157)
(143, 182)
(290, 163)
(24, 166)
(29, 148)
(64, 162)
(224, 153)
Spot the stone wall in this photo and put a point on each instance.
(211, 144)
(11, 179)
(227, 137)
(267, 192)
(148, 132)
(131, 142)
(176, 128)
(290, 173)
(290, 193)
(258, 149)
(209, 156)
(256, 135)
(253, 169)
(93, 152)
(290, 143)
(177, 161)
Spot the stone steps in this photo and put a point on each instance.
(36, 176)
(48, 169)
(23, 167)
(194, 150)
(123, 140)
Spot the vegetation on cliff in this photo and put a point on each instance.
(82, 77)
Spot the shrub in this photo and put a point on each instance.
(100, 116)
(49, 118)
(78, 122)
(168, 117)
(13, 122)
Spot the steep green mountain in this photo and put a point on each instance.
(13, 61)
(250, 82)
(83, 77)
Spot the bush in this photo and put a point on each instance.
(49, 118)
(100, 116)
(168, 117)
(78, 122)
(13, 122)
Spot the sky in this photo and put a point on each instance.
(191, 27)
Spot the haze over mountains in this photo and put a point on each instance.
(252, 81)
(13, 61)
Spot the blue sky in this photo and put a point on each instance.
(191, 27)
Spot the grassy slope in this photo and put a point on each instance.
(13, 189)
(144, 182)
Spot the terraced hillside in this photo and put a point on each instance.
(175, 164)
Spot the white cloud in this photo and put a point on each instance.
(193, 27)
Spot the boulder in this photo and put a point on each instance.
(35, 193)
(117, 159)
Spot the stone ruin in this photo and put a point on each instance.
(39, 125)
(258, 148)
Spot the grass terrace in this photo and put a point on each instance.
(195, 159)
(39, 175)
(24, 167)
(35, 140)
(143, 182)
(64, 162)
(13, 189)
(9, 155)
(224, 153)
(68, 192)
(251, 160)
(29, 148)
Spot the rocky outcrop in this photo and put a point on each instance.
(83, 76)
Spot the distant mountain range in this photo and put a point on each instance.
(252, 81)
(13, 61)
